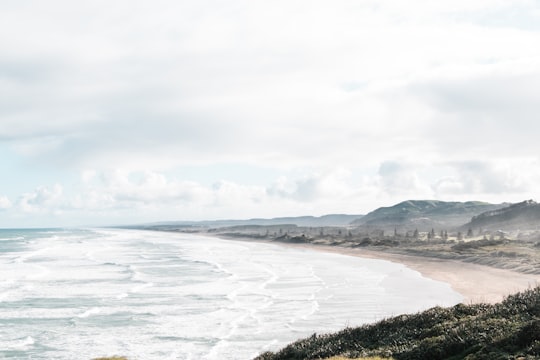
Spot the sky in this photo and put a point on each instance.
(120, 112)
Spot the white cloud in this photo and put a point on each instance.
(513, 179)
(42, 199)
(449, 186)
(332, 184)
(402, 179)
(301, 87)
(124, 189)
(204, 82)
(123, 196)
(229, 194)
(5, 203)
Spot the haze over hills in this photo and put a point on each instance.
(523, 215)
(325, 220)
(425, 215)
(410, 215)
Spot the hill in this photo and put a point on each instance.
(508, 330)
(523, 215)
(424, 215)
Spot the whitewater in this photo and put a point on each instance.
(85, 293)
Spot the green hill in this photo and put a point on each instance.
(424, 214)
(508, 330)
(523, 215)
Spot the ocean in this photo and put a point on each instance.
(85, 293)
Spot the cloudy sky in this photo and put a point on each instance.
(136, 111)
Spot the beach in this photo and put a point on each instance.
(65, 291)
(86, 293)
(476, 283)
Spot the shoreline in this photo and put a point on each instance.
(476, 283)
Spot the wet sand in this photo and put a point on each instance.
(476, 283)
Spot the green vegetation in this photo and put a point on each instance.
(508, 330)
(476, 244)
(523, 215)
(360, 358)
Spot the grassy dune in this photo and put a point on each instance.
(508, 330)
(360, 358)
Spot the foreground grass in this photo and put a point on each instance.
(362, 358)
(508, 330)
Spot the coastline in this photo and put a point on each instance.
(476, 283)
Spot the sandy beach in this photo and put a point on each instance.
(476, 283)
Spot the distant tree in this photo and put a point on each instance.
(395, 232)
(441, 234)
(469, 233)
(433, 233)
(445, 235)
(339, 232)
(349, 234)
(415, 235)
(280, 231)
(459, 236)
(321, 232)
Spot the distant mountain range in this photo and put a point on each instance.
(306, 221)
(422, 215)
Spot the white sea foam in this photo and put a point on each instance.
(12, 238)
(89, 312)
(147, 295)
(23, 343)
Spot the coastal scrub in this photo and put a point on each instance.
(508, 330)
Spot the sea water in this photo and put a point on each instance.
(81, 294)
